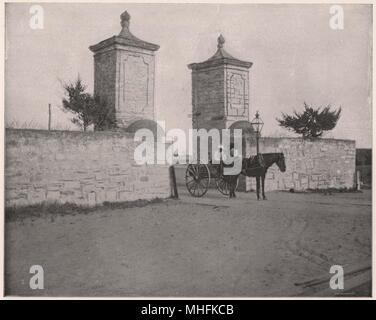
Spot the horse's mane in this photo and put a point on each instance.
(272, 153)
(267, 154)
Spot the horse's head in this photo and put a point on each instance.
(281, 162)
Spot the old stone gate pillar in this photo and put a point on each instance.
(124, 75)
(220, 95)
(220, 90)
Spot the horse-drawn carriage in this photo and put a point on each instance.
(198, 176)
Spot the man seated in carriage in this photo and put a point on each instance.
(222, 156)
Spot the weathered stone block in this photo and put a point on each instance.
(111, 196)
(304, 179)
(69, 185)
(91, 199)
(313, 184)
(53, 195)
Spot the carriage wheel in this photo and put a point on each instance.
(197, 179)
(223, 186)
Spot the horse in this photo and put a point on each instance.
(257, 166)
(251, 168)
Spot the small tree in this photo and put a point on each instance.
(102, 116)
(78, 102)
(87, 109)
(311, 123)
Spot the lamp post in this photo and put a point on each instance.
(257, 125)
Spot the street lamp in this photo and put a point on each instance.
(257, 125)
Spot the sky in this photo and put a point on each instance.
(296, 57)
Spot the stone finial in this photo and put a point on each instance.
(221, 41)
(124, 21)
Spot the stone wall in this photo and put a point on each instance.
(319, 164)
(316, 164)
(83, 168)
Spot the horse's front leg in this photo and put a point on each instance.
(258, 187)
(263, 187)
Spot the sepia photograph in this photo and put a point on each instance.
(188, 150)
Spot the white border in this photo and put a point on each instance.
(2, 131)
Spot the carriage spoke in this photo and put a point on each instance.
(202, 186)
(196, 187)
(222, 185)
(192, 185)
(192, 188)
(191, 171)
(197, 179)
(190, 182)
(199, 188)
(200, 183)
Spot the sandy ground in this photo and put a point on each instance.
(210, 246)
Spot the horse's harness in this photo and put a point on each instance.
(255, 162)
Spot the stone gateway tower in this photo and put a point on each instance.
(124, 75)
(220, 96)
(220, 90)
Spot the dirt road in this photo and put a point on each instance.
(210, 246)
